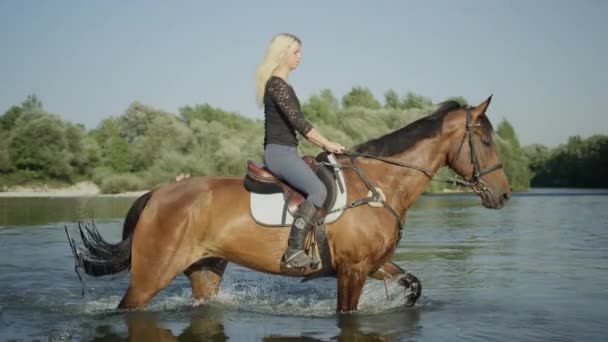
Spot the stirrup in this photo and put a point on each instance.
(291, 262)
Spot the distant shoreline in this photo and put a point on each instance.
(82, 189)
(90, 189)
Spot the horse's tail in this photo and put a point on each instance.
(98, 257)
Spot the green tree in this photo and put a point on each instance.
(7, 121)
(137, 119)
(106, 129)
(93, 152)
(32, 104)
(537, 156)
(360, 97)
(515, 163)
(118, 154)
(595, 167)
(412, 100)
(5, 161)
(113, 149)
(145, 146)
(164, 133)
(328, 97)
(321, 108)
(206, 112)
(506, 131)
(578, 163)
(39, 144)
(79, 156)
(391, 99)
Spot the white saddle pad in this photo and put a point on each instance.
(267, 209)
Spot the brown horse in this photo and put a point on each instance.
(197, 225)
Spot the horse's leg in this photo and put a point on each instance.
(350, 285)
(141, 289)
(391, 271)
(205, 276)
(155, 262)
(147, 282)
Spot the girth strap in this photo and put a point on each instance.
(376, 197)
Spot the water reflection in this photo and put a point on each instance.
(43, 210)
(404, 324)
(207, 324)
(148, 326)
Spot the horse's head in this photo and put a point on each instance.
(472, 154)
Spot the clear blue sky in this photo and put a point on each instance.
(546, 62)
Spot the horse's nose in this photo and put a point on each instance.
(506, 196)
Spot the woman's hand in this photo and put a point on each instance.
(329, 146)
(333, 147)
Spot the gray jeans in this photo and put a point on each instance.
(285, 163)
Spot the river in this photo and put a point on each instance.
(536, 270)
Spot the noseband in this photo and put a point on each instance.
(475, 182)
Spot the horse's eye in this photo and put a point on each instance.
(485, 139)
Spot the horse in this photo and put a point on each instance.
(197, 225)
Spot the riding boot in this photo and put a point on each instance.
(303, 220)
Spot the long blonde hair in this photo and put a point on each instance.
(275, 53)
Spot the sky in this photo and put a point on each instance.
(546, 62)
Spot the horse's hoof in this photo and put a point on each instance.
(411, 283)
(346, 312)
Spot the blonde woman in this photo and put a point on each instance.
(283, 117)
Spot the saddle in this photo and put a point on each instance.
(274, 202)
(260, 180)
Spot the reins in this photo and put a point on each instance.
(475, 183)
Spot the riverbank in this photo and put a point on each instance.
(90, 189)
(81, 189)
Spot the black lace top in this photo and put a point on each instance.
(283, 115)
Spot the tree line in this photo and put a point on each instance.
(145, 147)
(581, 163)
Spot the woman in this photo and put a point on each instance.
(283, 117)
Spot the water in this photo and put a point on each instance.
(536, 270)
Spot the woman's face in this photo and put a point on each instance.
(294, 55)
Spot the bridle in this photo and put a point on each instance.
(476, 184)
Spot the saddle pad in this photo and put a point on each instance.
(269, 209)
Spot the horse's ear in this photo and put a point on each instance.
(481, 109)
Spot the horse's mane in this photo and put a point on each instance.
(406, 137)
